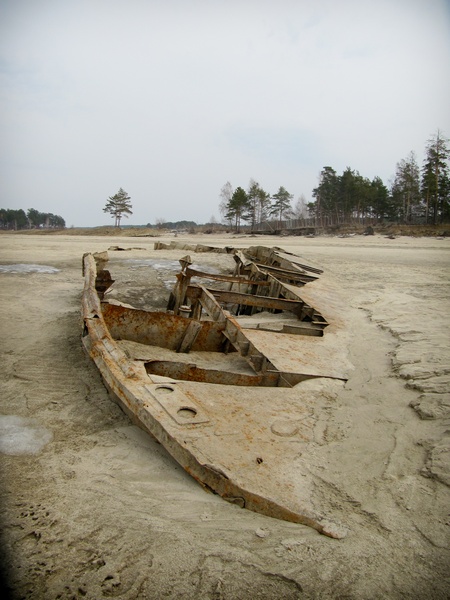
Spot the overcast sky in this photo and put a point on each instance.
(170, 99)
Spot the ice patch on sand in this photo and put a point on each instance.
(19, 435)
(25, 268)
(161, 264)
(166, 268)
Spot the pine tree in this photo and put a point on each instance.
(119, 206)
(282, 206)
(435, 179)
(258, 201)
(326, 194)
(237, 207)
(406, 187)
(380, 200)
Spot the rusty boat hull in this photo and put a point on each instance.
(220, 377)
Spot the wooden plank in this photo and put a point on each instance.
(190, 335)
(260, 301)
(303, 329)
(286, 273)
(308, 268)
(181, 289)
(211, 306)
(228, 278)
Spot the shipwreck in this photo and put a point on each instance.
(217, 377)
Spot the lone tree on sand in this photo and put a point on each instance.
(119, 206)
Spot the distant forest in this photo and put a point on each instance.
(32, 219)
(415, 195)
(180, 225)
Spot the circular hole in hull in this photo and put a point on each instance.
(165, 389)
(187, 412)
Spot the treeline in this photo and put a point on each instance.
(161, 224)
(415, 195)
(254, 205)
(420, 195)
(18, 219)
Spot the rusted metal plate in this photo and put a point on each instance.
(191, 372)
(183, 410)
(158, 328)
(309, 355)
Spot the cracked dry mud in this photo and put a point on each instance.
(101, 510)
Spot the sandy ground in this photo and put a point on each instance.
(93, 508)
